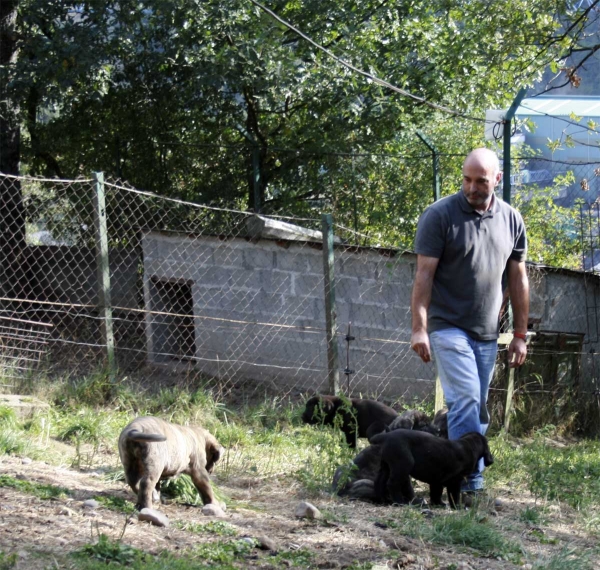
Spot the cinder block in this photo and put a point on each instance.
(292, 260)
(227, 255)
(398, 318)
(355, 265)
(257, 258)
(211, 275)
(371, 315)
(347, 288)
(200, 253)
(308, 284)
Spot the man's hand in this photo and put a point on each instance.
(517, 351)
(419, 342)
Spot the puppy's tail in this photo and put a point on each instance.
(137, 435)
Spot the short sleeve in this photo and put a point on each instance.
(519, 252)
(431, 235)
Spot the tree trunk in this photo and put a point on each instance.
(12, 219)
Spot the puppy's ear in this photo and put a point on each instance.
(214, 452)
(488, 458)
(376, 428)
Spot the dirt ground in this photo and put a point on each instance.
(42, 532)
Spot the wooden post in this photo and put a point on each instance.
(510, 391)
(103, 272)
(439, 394)
(333, 372)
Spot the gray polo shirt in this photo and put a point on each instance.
(473, 250)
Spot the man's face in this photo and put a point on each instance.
(479, 180)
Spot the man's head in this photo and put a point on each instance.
(481, 174)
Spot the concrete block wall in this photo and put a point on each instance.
(259, 312)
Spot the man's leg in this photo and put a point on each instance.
(457, 368)
(485, 357)
(458, 360)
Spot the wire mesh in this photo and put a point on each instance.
(237, 301)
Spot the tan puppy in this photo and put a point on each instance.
(152, 449)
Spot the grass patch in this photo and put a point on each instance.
(468, 530)
(220, 555)
(550, 472)
(301, 558)
(268, 442)
(463, 529)
(219, 528)
(116, 504)
(182, 490)
(569, 558)
(37, 489)
(532, 516)
(7, 561)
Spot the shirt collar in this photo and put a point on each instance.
(467, 208)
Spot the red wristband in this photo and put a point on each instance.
(522, 336)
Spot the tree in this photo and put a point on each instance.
(192, 100)
(12, 222)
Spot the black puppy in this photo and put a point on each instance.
(357, 479)
(440, 422)
(354, 415)
(439, 462)
(411, 419)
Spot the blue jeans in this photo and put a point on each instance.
(465, 367)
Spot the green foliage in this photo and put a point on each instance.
(107, 551)
(87, 429)
(169, 96)
(471, 531)
(219, 528)
(7, 561)
(570, 474)
(467, 529)
(553, 232)
(8, 417)
(549, 471)
(183, 406)
(532, 516)
(569, 558)
(116, 504)
(115, 553)
(221, 552)
(37, 489)
(12, 442)
(93, 390)
(182, 490)
(328, 449)
(302, 558)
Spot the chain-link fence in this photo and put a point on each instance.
(166, 289)
(179, 288)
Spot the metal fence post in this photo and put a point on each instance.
(506, 187)
(333, 373)
(435, 163)
(103, 272)
(506, 196)
(256, 177)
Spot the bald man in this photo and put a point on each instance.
(464, 243)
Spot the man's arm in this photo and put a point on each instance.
(421, 297)
(518, 288)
